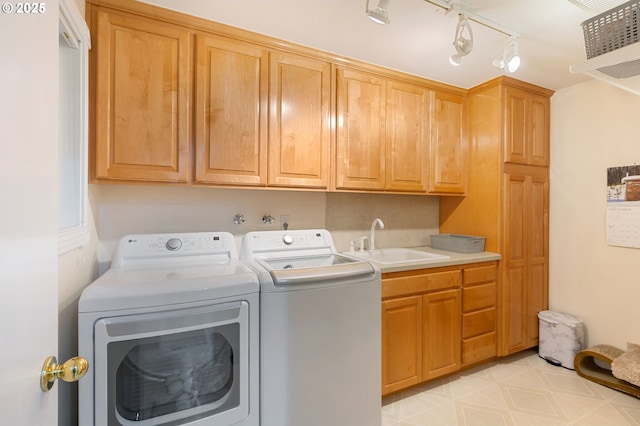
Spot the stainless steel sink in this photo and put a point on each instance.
(390, 256)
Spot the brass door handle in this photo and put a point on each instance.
(71, 371)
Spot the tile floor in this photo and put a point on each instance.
(518, 390)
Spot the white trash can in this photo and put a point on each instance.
(561, 338)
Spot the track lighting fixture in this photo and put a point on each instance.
(463, 41)
(462, 44)
(510, 59)
(380, 13)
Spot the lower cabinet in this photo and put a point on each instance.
(441, 333)
(401, 343)
(479, 298)
(436, 321)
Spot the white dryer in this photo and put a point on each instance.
(171, 333)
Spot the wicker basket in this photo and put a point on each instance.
(612, 29)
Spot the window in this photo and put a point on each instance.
(74, 44)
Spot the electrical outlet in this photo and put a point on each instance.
(284, 221)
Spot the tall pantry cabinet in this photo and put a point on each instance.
(508, 200)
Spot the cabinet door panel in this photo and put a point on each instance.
(525, 287)
(539, 133)
(515, 309)
(300, 93)
(407, 137)
(448, 150)
(231, 112)
(401, 343)
(442, 333)
(516, 126)
(515, 263)
(142, 99)
(538, 246)
(527, 128)
(360, 130)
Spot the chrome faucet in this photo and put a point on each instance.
(372, 238)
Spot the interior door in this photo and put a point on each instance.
(28, 218)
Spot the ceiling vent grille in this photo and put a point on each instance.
(622, 70)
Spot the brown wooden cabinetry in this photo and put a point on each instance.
(299, 123)
(448, 147)
(525, 262)
(230, 112)
(398, 136)
(421, 331)
(401, 343)
(508, 202)
(441, 331)
(261, 111)
(407, 137)
(360, 146)
(526, 127)
(479, 300)
(141, 87)
(235, 82)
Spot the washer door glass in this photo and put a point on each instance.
(174, 373)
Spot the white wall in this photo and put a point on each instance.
(593, 126)
(125, 209)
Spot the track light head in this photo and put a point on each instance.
(380, 14)
(455, 59)
(511, 56)
(510, 59)
(462, 44)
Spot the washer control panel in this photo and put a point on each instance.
(286, 242)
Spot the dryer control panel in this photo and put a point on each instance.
(144, 249)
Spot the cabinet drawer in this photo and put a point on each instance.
(480, 274)
(479, 348)
(423, 283)
(478, 323)
(478, 297)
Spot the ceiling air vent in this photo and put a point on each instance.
(611, 45)
(623, 70)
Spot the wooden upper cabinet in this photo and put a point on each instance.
(299, 121)
(142, 86)
(407, 137)
(526, 127)
(448, 149)
(231, 112)
(360, 145)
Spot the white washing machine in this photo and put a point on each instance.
(320, 331)
(171, 333)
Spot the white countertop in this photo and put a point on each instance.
(455, 258)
